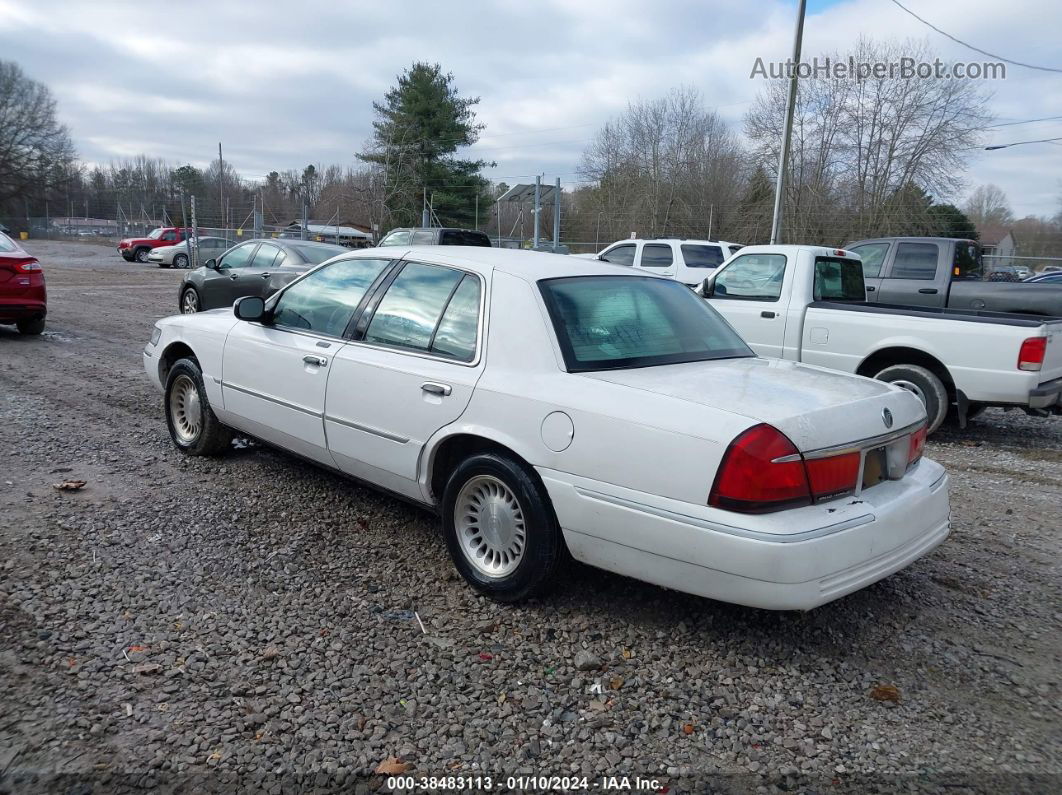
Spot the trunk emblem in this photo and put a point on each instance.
(886, 416)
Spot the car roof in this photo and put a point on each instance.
(525, 264)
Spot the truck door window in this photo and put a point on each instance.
(968, 263)
(752, 277)
(698, 256)
(620, 255)
(873, 255)
(915, 261)
(839, 280)
(657, 256)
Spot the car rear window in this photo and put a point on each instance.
(968, 263)
(838, 279)
(315, 255)
(622, 322)
(702, 256)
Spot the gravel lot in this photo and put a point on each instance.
(248, 622)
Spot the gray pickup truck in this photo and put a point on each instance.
(945, 272)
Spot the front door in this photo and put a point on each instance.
(409, 371)
(221, 285)
(274, 375)
(748, 293)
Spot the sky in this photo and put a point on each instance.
(287, 84)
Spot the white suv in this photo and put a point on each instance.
(686, 261)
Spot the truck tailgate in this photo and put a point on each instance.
(1052, 367)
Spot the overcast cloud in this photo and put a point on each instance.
(286, 84)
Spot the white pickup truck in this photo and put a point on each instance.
(808, 304)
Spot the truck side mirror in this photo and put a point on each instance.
(707, 288)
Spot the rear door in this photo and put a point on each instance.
(874, 256)
(409, 370)
(911, 275)
(256, 280)
(749, 292)
(698, 261)
(656, 258)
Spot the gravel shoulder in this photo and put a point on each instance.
(252, 622)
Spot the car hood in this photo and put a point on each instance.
(813, 406)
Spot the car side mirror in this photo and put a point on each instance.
(211, 263)
(708, 288)
(250, 307)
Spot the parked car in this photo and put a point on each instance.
(546, 405)
(257, 267)
(1053, 277)
(23, 298)
(808, 304)
(1050, 269)
(435, 236)
(945, 272)
(177, 256)
(686, 261)
(138, 248)
(1023, 271)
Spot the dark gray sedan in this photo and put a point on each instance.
(257, 267)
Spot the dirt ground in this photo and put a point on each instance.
(253, 623)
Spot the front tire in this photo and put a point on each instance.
(193, 426)
(925, 385)
(142, 254)
(189, 301)
(500, 528)
(30, 327)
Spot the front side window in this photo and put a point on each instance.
(620, 255)
(238, 257)
(752, 277)
(263, 258)
(873, 256)
(619, 322)
(156, 234)
(656, 255)
(400, 237)
(839, 279)
(697, 256)
(325, 301)
(914, 261)
(412, 306)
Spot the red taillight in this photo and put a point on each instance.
(1031, 355)
(834, 475)
(751, 479)
(28, 266)
(916, 446)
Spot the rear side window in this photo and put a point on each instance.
(656, 256)
(263, 258)
(325, 301)
(423, 237)
(238, 257)
(914, 261)
(968, 263)
(873, 256)
(315, 255)
(455, 337)
(751, 277)
(412, 306)
(702, 256)
(839, 279)
(620, 255)
(463, 237)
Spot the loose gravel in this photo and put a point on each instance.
(253, 623)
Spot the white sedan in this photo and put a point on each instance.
(548, 407)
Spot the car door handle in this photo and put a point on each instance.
(320, 361)
(928, 291)
(265, 275)
(871, 288)
(234, 276)
(767, 314)
(435, 388)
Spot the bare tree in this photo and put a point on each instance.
(35, 149)
(988, 206)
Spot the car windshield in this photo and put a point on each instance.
(623, 322)
(315, 255)
(155, 235)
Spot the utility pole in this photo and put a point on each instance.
(497, 209)
(477, 209)
(221, 184)
(556, 216)
(424, 207)
(711, 209)
(193, 241)
(305, 216)
(787, 130)
(538, 209)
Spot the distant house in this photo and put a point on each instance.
(998, 242)
(348, 233)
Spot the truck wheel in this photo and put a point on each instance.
(925, 385)
(142, 254)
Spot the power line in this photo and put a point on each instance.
(972, 47)
(1027, 121)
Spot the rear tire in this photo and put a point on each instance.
(30, 327)
(180, 261)
(500, 528)
(194, 428)
(925, 385)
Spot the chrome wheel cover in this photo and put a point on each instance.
(186, 412)
(490, 526)
(189, 302)
(911, 387)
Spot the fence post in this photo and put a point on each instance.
(193, 241)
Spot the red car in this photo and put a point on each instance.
(138, 248)
(23, 300)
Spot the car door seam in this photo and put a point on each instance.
(272, 399)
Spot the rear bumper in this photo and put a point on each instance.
(1046, 395)
(23, 307)
(793, 560)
